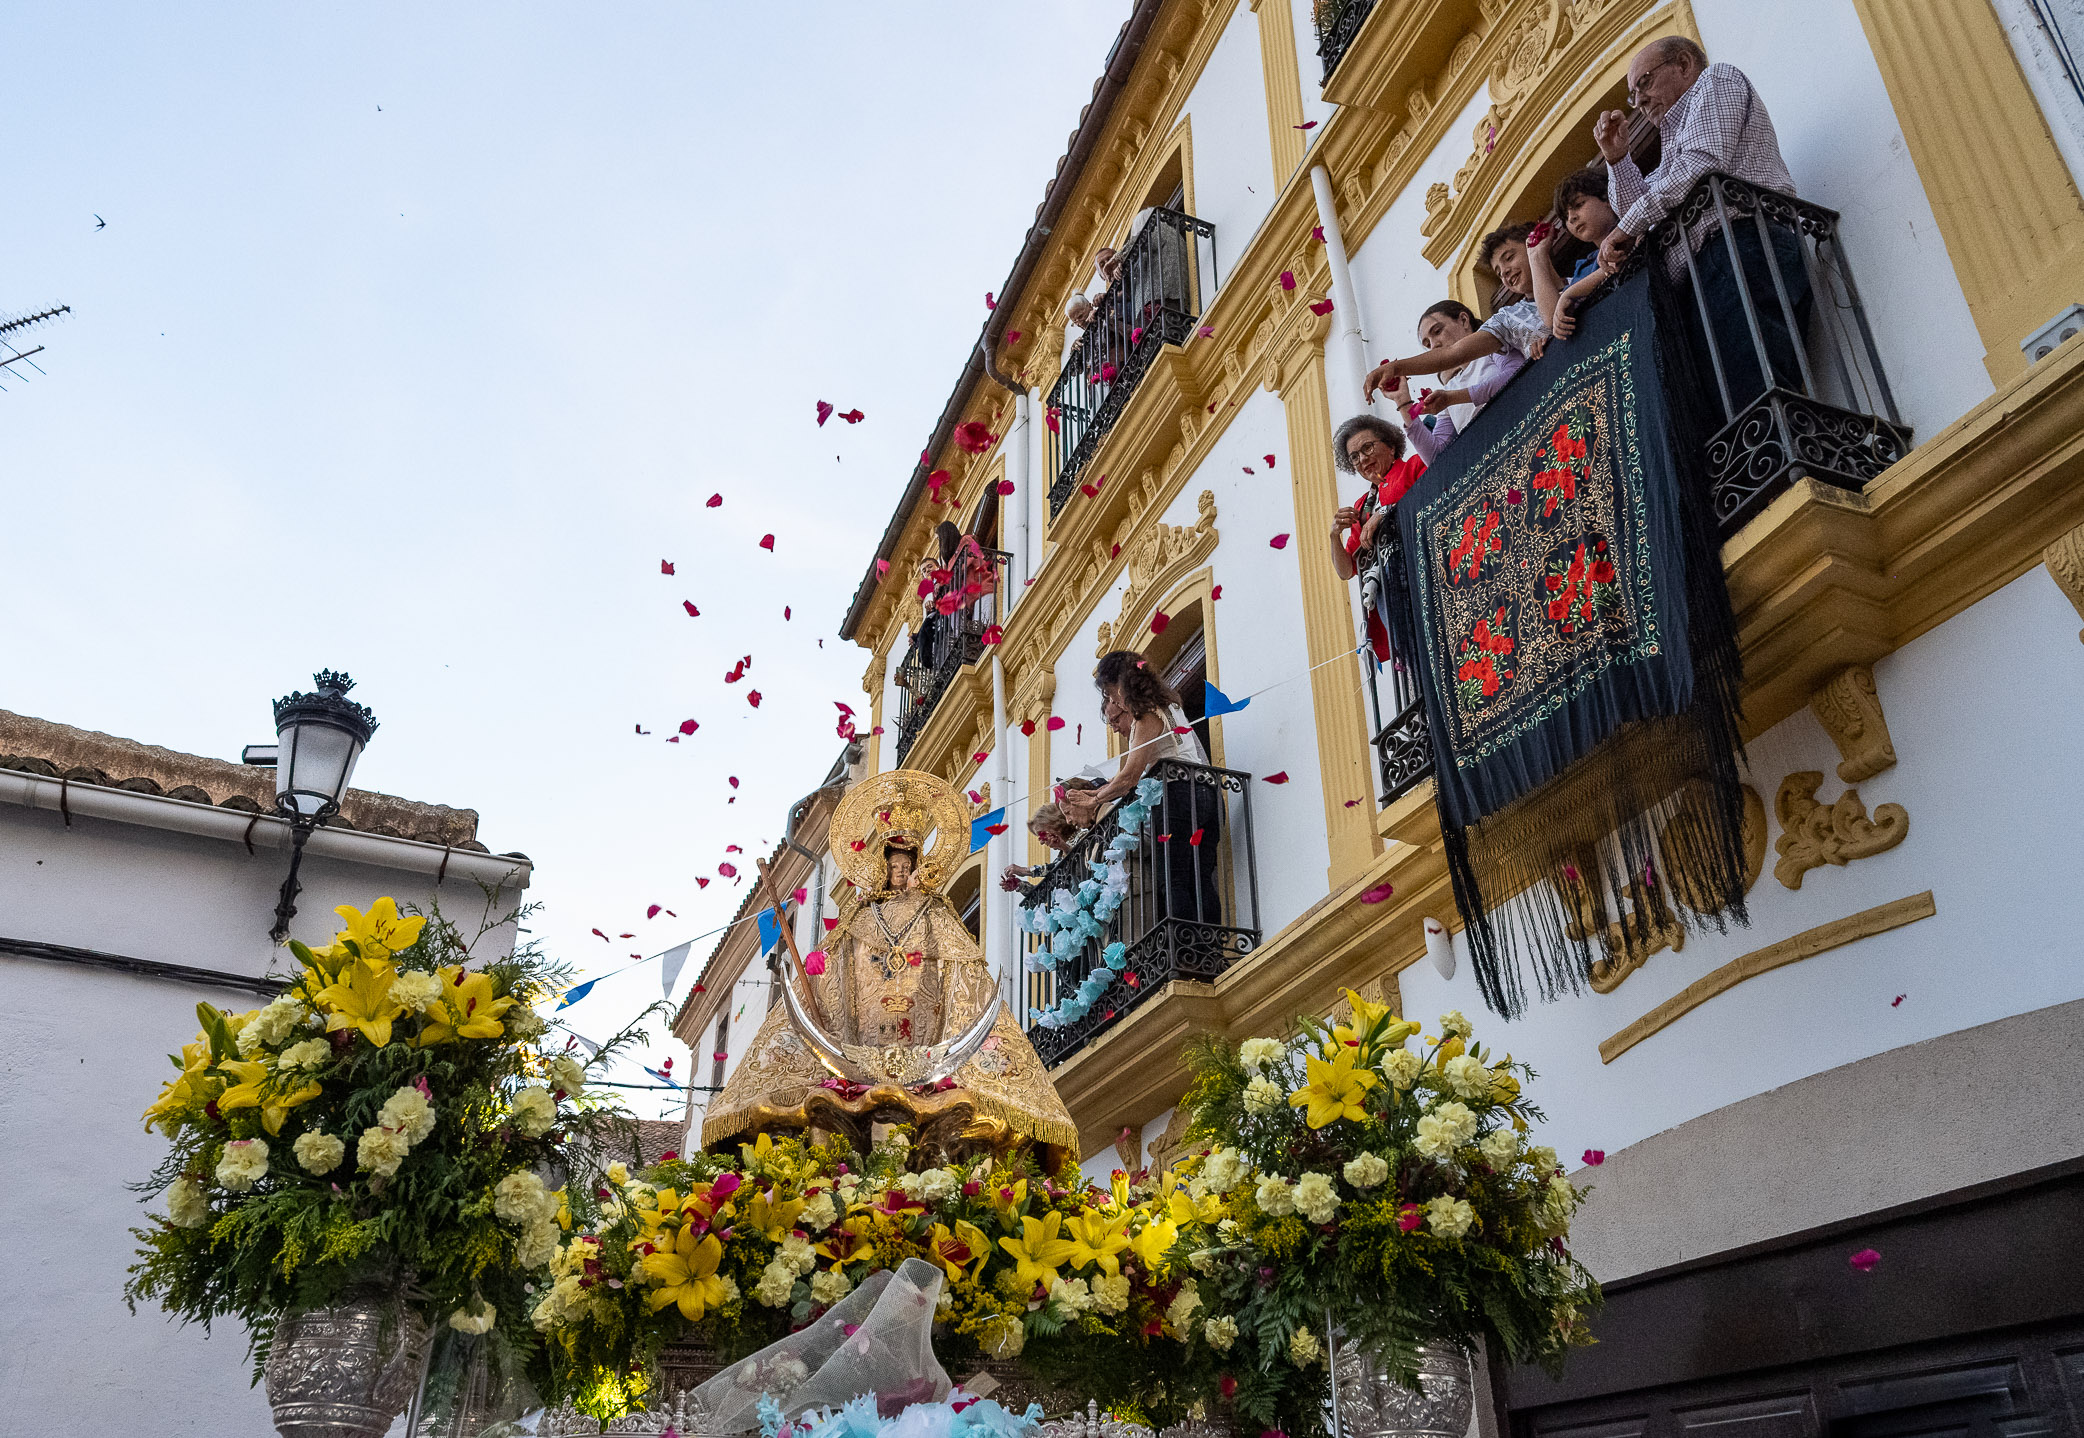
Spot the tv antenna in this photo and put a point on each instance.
(12, 354)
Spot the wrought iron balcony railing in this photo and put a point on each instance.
(962, 607)
(1155, 303)
(1403, 742)
(1338, 21)
(1826, 412)
(1191, 911)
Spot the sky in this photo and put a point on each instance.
(418, 336)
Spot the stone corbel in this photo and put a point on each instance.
(872, 680)
(2065, 561)
(1849, 708)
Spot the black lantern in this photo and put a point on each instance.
(319, 737)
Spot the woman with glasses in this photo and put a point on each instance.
(1373, 449)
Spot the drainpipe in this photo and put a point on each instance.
(1034, 503)
(998, 853)
(1013, 509)
(1349, 336)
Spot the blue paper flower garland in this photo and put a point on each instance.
(1073, 917)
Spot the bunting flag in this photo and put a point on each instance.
(573, 995)
(1215, 703)
(664, 1078)
(980, 827)
(770, 930)
(675, 958)
(1575, 646)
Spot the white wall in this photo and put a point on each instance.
(82, 1052)
(2033, 43)
(1983, 713)
(1234, 181)
(1312, 68)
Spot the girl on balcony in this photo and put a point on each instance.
(1188, 824)
(1479, 360)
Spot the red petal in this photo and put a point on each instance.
(824, 412)
(1321, 307)
(831, 924)
(1279, 541)
(1280, 778)
(753, 698)
(1351, 802)
(766, 541)
(994, 828)
(1248, 469)
(989, 302)
(1377, 894)
(652, 913)
(733, 849)
(713, 501)
(1194, 839)
(800, 896)
(1207, 332)
(727, 869)
(1269, 461)
(1308, 125)
(1005, 486)
(734, 780)
(1287, 279)
(980, 756)
(1055, 723)
(665, 566)
(1027, 726)
(853, 416)
(1012, 337)
(1317, 233)
(1216, 593)
(596, 933)
(689, 606)
(786, 612)
(688, 726)
(1159, 621)
(1865, 1260)
(700, 884)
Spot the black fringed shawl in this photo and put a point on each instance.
(1578, 655)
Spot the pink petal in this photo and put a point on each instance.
(689, 606)
(1280, 778)
(767, 542)
(1054, 724)
(652, 912)
(1269, 461)
(1158, 623)
(1864, 1260)
(1317, 233)
(824, 412)
(1321, 307)
(665, 566)
(1307, 125)
(1594, 1157)
(1279, 541)
(688, 726)
(1005, 486)
(1207, 332)
(1379, 892)
(1287, 279)
(713, 501)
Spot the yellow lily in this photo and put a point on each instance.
(361, 999)
(254, 1090)
(1008, 1200)
(772, 1217)
(1184, 1209)
(846, 1240)
(1367, 1018)
(1150, 1245)
(1121, 1190)
(1038, 1253)
(1097, 1237)
(967, 1244)
(564, 1211)
(466, 1009)
(191, 1090)
(1452, 1049)
(382, 931)
(686, 1274)
(1334, 1090)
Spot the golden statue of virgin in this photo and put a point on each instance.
(898, 1019)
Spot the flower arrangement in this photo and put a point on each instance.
(386, 1122)
(1072, 917)
(1354, 1181)
(739, 1250)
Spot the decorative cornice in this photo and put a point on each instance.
(1157, 559)
(2065, 561)
(1813, 834)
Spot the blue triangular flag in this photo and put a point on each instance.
(666, 1079)
(980, 828)
(1215, 703)
(770, 930)
(576, 994)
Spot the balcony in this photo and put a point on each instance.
(1338, 21)
(1155, 303)
(964, 604)
(1829, 414)
(1402, 742)
(1183, 918)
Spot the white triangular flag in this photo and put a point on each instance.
(671, 968)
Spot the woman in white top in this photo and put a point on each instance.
(1187, 823)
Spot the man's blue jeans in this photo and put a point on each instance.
(1733, 343)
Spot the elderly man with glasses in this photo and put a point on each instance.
(1708, 118)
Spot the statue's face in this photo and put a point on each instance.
(900, 863)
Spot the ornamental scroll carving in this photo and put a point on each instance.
(1814, 833)
(2065, 561)
(1156, 561)
(872, 678)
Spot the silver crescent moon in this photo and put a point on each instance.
(946, 1057)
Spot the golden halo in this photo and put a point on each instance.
(931, 804)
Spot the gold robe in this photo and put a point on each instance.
(901, 971)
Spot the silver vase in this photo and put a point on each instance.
(346, 1371)
(1368, 1403)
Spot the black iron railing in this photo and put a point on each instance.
(1338, 21)
(1791, 358)
(1191, 910)
(964, 604)
(1154, 303)
(1403, 742)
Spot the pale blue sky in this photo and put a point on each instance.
(427, 392)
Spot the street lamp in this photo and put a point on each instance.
(318, 737)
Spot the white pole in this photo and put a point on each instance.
(1349, 335)
(1015, 505)
(998, 852)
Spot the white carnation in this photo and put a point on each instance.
(1445, 1129)
(1366, 1171)
(1315, 1198)
(1450, 1217)
(1257, 1055)
(568, 1074)
(777, 1282)
(1542, 1159)
(1467, 1076)
(523, 1024)
(186, 1204)
(535, 1112)
(408, 1111)
(1263, 1095)
(1111, 1292)
(1222, 1169)
(1220, 1333)
(1453, 1025)
(537, 1244)
(318, 1152)
(381, 1150)
(829, 1287)
(244, 1164)
(1071, 1294)
(936, 1184)
(521, 1199)
(463, 1320)
(1303, 1348)
(797, 1255)
(415, 990)
(271, 1025)
(1499, 1147)
(1401, 1067)
(302, 1057)
(1275, 1197)
(818, 1213)
(1181, 1311)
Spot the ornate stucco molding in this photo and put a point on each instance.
(872, 678)
(1158, 559)
(1814, 833)
(1849, 708)
(2065, 561)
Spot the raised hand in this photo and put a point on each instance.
(1610, 133)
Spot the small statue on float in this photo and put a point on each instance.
(898, 1019)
